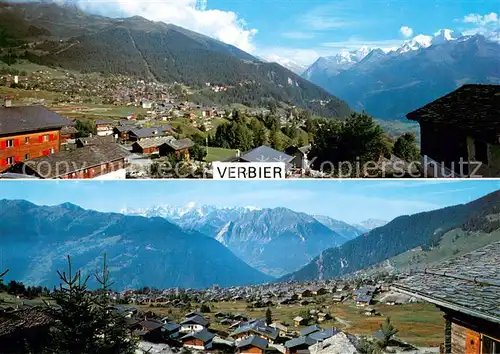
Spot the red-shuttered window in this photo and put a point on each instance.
(3, 144)
(17, 159)
(45, 152)
(16, 142)
(3, 162)
(40, 139)
(51, 137)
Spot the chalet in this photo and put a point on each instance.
(190, 115)
(104, 127)
(338, 297)
(146, 104)
(299, 321)
(299, 155)
(150, 146)
(171, 329)
(263, 154)
(137, 134)
(460, 132)
(95, 161)
(283, 330)
(467, 290)
(194, 324)
(28, 132)
(259, 329)
(150, 330)
(202, 340)
(363, 300)
(121, 131)
(178, 147)
(68, 135)
(318, 290)
(27, 328)
(252, 345)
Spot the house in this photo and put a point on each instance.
(252, 345)
(68, 135)
(178, 147)
(460, 133)
(202, 340)
(258, 328)
(299, 155)
(467, 290)
(27, 328)
(190, 115)
(194, 323)
(150, 330)
(282, 330)
(299, 321)
(121, 131)
(150, 146)
(28, 132)
(107, 161)
(137, 134)
(363, 300)
(170, 329)
(104, 127)
(264, 154)
(299, 345)
(311, 329)
(146, 104)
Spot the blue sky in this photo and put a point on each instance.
(302, 30)
(348, 200)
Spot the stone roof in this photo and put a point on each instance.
(22, 119)
(180, 144)
(266, 154)
(21, 320)
(253, 341)
(468, 284)
(473, 108)
(97, 140)
(68, 130)
(196, 319)
(66, 162)
(151, 132)
(154, 142)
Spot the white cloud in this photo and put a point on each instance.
(406, 31)
(225, 26)
(481, 20)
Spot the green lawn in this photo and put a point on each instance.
(218, 154)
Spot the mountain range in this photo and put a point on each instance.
(275, 241)
(63, 36)
(388, 84)
(433, 232)
(141, 251)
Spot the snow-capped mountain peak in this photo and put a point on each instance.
(287, 63)
(445, 35)
(416, 43)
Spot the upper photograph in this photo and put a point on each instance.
(224, 90)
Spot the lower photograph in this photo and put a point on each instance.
(185, 266)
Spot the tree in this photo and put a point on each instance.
(406, 147)
(388, 331)
(82, 322)
(276, 140)
(269, 316)
(197, 152)
(204, 308)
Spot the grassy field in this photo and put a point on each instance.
(23, 96)
(418, 324)
(24, 65)
(10, 300)
(218, 154)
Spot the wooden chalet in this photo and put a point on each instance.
(28, 132)
(461, 126)
(467, 290)
(178, 147)
(252, 345)
(201, 340)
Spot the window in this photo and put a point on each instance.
(26, 156)
(490, 346)
(481, 151)
(46, 138)
(10, 143)
(10, 160)
(27, 140)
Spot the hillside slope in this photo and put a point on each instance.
(141, 251)
(404, 233)
(155, 50)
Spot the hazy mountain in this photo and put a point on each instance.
(139, 47)
(141, 251)
(426, 230)
(275, 241)
(390, 85)
(344, 229)
(370, 224)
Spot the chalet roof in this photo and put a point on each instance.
(300, 341)
(311, 329)
(151, 325)
(97, 140)
(469, 284)
(266, 154)
(259, 328)
(253, 341)
(324, 334)
(104, 121)
(473, 108)
(204, 335)
(151, 132)
(23, 119)
(196, 319)
(171, 326)
(24, 319)
(154, 142)
(68, 130)
(180, 144)
(66, 162)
